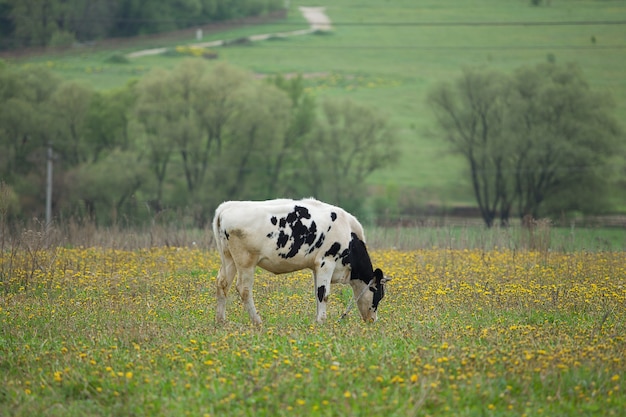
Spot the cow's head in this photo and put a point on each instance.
(368, 285)
(369, 295)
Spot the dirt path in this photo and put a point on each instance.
(315, 16)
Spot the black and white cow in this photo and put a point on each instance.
(287, 235)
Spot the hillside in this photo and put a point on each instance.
(389, 54)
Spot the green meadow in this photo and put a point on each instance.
(475, 322)
(96, 331)
(389, 54)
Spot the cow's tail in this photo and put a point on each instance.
(217, 230)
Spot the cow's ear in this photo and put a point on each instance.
(380, 278)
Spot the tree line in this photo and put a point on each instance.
(181, 141)
(538, 142)
(27, 23)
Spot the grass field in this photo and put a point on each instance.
(461, 332)
(389, 54)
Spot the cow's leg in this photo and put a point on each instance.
(244, 287)
(322, 291)
(224, 280)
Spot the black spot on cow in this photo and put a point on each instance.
(274, 220)
(318, 243)
(226, 234)
(300, 233)
(291, 217)
(303, 212)
(321, 292)
(298, 212)
(333, 250)
(282, 240)
(311, 235)
(333, 216)
(345, 257)
(320, 240)
(270, 235)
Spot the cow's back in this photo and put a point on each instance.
(284, 235)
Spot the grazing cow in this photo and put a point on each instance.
(286, 235)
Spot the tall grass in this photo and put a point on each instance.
(542, 238)
(35, 235)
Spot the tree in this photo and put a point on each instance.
(34, 20)
(106, 187)
(528, 138)
(348, 143)
(564, 135)
(153, 123)
(107, 120)
(186, 112)
(25, 130)
(24, 110)
(286, 160)
(255, 142)
(471, 116)
(217, 101)
(62, 22)
(69, 106)
(213, 98)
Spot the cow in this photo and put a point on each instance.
(286, 235)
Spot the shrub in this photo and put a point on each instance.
(118, 59)
(62, 39)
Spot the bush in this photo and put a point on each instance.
(62, 39)
(118, 59)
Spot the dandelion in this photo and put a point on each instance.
(512, 337)
(397, 379)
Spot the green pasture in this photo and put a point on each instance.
(389, 54)
(95, 331)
